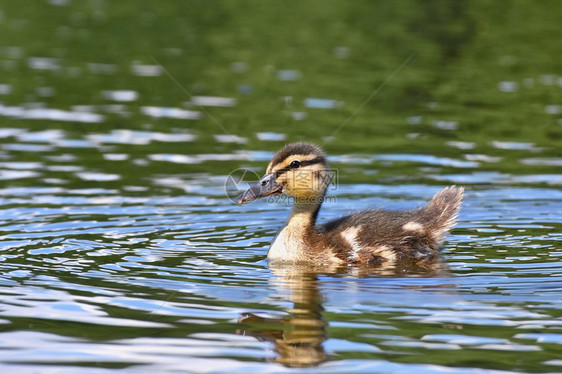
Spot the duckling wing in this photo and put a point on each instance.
(393, 234)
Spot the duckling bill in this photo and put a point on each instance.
(300, 170)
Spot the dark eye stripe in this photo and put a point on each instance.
(316, 160)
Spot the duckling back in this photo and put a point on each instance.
(427, 227)
(392, 235)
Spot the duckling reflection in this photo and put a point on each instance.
(299, 338)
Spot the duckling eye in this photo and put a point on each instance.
(295, 164)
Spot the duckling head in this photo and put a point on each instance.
(299, 170)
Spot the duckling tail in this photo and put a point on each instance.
(444, 209)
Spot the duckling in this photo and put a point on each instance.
(300, 170)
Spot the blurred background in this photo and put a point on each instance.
(478, 76)
(121, 120)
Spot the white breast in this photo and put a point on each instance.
(287, 247)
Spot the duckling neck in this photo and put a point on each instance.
(304, 213)
(290, 244)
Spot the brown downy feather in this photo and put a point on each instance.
(393, 234)
(444, 210)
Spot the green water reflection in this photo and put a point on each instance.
(485, 70)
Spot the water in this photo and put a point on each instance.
(120, 245)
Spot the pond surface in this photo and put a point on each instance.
(121, 247)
